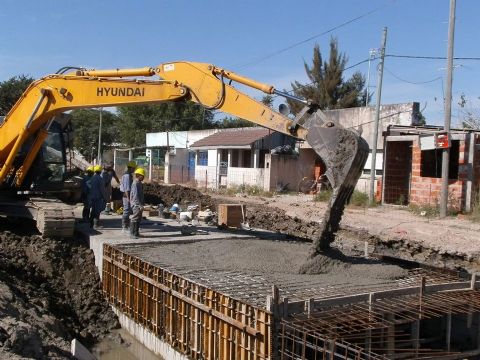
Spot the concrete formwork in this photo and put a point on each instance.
(181, 309)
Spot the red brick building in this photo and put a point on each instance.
(413, 166)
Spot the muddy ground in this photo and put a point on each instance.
(50, 293)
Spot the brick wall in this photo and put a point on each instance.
(425, 191)
(398, 163)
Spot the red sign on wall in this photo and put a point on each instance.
(442, 140)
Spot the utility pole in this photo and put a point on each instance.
(371, 54)
(448, 112)
(99, 155)
(371, 195)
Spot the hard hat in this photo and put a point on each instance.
(132, 164)
(140, 171)
(97, 168)
(90, 168)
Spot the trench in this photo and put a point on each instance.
(50, 293)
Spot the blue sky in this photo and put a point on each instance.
(39, 37)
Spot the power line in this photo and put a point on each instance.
(263, 58)
(430, 57)
(412, 82)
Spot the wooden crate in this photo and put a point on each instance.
(230, 215)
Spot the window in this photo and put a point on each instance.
(202, 158)
(431, 165)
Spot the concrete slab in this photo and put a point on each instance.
(154, 230)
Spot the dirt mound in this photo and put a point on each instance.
(50, 293)
(169, 194)
(274, 219)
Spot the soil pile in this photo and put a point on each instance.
(274, 219)
(168, 195)
(50, 293)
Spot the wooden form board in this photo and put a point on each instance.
(193, 319)
(231, 215)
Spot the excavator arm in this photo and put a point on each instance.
(343, 151)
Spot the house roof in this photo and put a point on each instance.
(233, 138)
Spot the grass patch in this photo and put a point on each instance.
(323, 196)
(475, 214)
(242, 189)
(359, 198)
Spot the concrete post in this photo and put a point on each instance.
(256, 158)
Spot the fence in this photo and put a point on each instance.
(195, 320)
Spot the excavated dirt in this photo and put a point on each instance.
(168, 195)
(50, 293)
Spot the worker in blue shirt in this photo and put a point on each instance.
(85, 191)
(137, 202)
(125, 187)
(97, 196)
(108, 174)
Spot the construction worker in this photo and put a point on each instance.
(85, 191)
(97, 196)
(125, 186)
(137, 202)
(108, 174)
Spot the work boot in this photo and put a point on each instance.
(125, 225)
(133, 230)
(96, 224)
(137, 229)
(85, 213)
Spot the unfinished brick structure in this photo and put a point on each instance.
(413, 168)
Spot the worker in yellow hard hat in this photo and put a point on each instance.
(125, 186)
(85, 191)
(137, 202)
(108, 173)
(97, 197)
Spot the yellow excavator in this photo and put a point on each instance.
(34, 133)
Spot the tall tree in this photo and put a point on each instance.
(11, 90)
(327, 86)
(469, 112)
(135, 121)
(85, 125)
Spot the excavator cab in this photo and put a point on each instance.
(49, 170)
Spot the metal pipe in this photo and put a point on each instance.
(289, 96)
(145, 71)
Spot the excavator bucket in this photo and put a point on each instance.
(344, 153)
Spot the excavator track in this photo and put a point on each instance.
(344, 153)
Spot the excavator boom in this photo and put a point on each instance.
(343, 151)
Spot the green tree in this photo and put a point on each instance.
(327, 86)
(267, 100)
(232, 122)
(85, 124)
(136, 121)
(11, 90)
